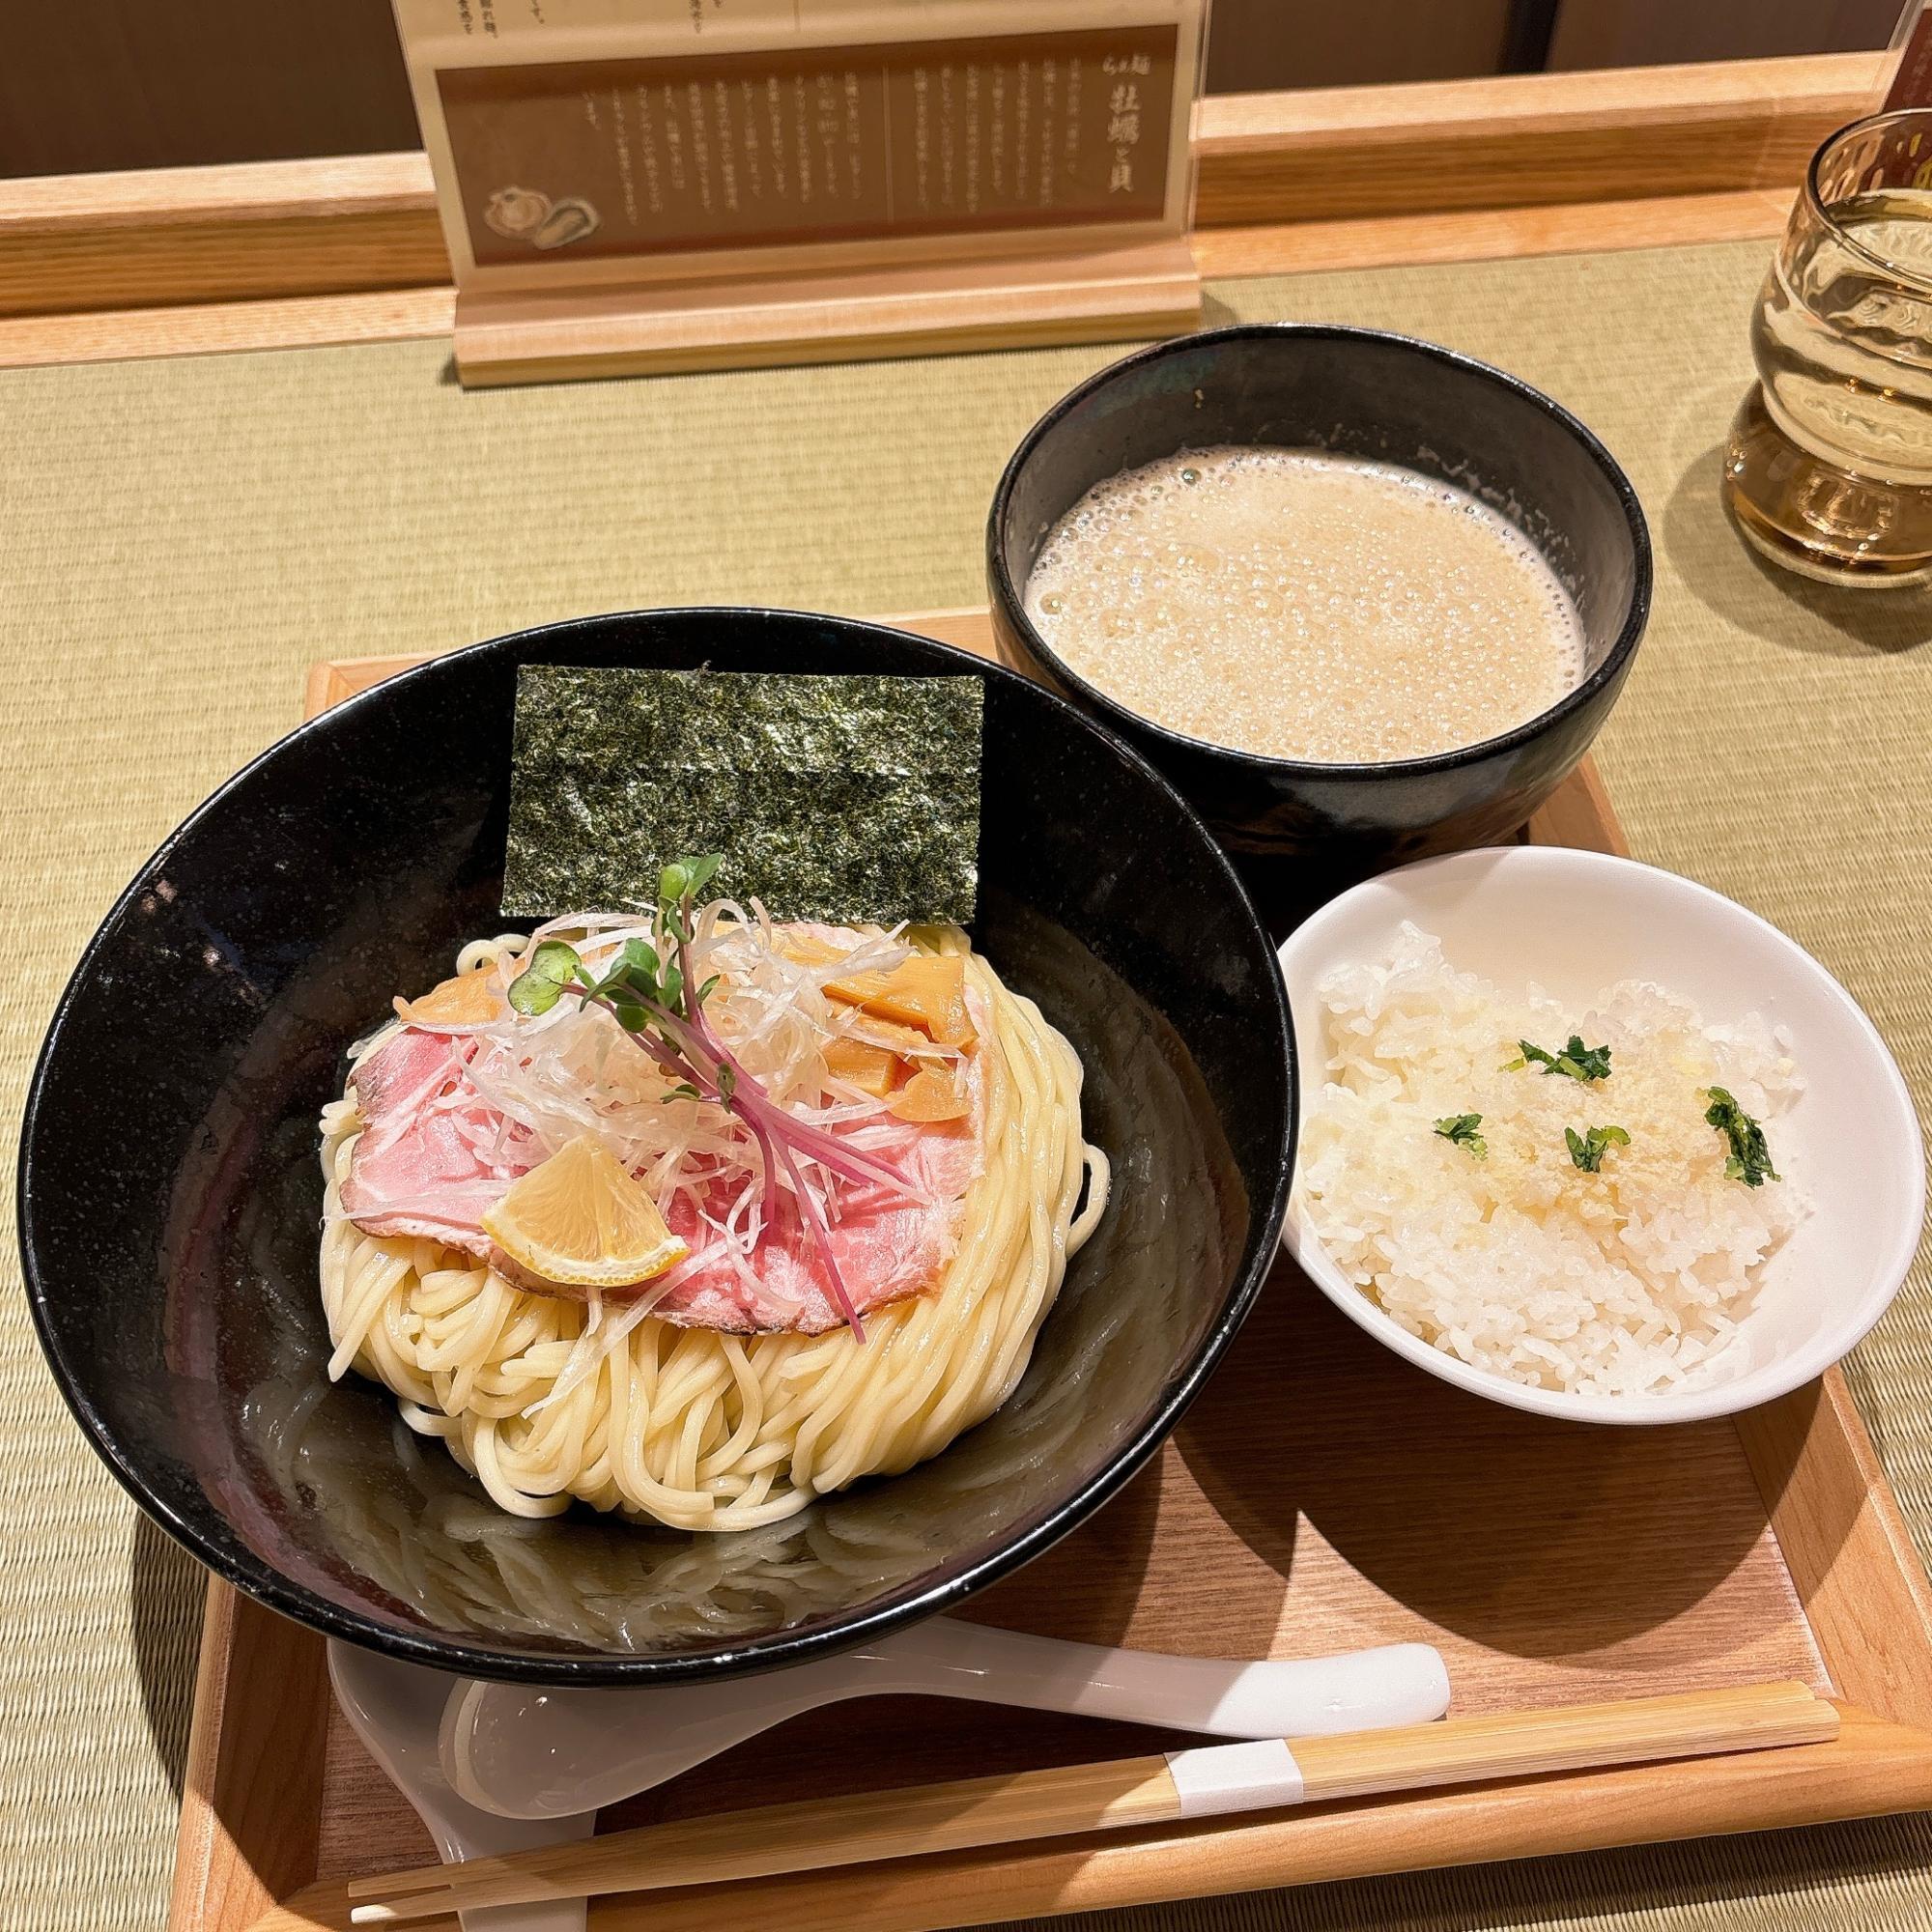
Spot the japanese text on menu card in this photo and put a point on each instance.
(586, 141)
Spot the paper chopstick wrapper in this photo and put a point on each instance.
(1217, 1779)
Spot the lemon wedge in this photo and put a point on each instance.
(578, 1219)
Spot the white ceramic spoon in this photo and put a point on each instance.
(394, 1708)
(525, 1752)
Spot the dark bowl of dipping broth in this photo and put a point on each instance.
(1367, 599)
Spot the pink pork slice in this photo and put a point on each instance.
(413, 1174)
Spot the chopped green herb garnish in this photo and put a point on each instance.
(1587, 1149)
(1750, 1158)
(1577, 1062)
(1459, 1129)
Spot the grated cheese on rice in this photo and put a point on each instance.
(1630, 1280)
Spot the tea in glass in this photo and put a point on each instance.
(1830, 465)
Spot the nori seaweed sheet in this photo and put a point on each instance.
(832, 798)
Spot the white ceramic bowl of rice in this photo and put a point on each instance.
(1658, 1287)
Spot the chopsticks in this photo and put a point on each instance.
(1079, 1799)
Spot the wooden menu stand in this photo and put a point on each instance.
(925, 308)
(633, 190)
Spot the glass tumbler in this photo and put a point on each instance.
(1830, 465)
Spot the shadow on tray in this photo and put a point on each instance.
(1339, 1465)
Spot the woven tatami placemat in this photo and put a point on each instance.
(179, 539)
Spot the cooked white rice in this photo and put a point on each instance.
(1629, 1280)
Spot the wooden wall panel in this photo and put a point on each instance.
(87, 85)
(1265, 44)
(1645, 33)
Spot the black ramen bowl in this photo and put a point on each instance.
(170, 1191)
(1357, 392)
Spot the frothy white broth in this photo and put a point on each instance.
(1306, 605)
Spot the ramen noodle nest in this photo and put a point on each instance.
(844, 1180)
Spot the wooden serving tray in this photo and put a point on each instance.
(1321, 1495)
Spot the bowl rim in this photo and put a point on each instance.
(1775, 1378)
(256, 1577)
(1009, 601)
